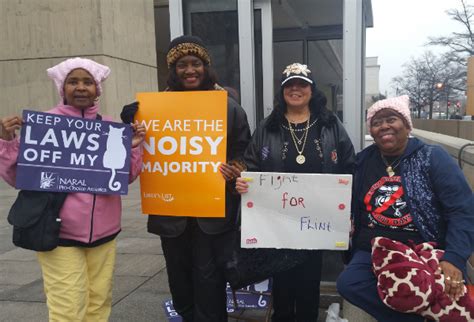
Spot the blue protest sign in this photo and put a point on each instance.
(71, 154)
(255, 296)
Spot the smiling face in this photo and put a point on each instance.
(80, 89)
(190, 71)
(390, 132)
(297, 93)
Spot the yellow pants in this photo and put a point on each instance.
(78, 282)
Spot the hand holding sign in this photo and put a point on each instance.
(138, 134)
(231, 170)
(241, 184)
(8, 127)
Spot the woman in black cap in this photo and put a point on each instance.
(300, 136)
(196, 248)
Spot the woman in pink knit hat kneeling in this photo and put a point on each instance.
(78, 273)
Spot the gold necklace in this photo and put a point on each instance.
(390, 167)
(300, 158)
(301, 129)
(299, 140)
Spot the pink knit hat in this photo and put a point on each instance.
(400, 104)
(59, 72)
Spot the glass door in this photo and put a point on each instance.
(250, 50)
(216, 22)
(239, 36)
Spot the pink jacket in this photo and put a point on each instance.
(85, 217)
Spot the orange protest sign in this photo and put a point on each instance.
(186, 138)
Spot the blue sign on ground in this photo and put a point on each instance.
(71, 154)
(256, 296)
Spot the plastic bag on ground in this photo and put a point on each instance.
(333, 313)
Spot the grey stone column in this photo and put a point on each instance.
(36, 35)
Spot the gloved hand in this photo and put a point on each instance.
(128, 112)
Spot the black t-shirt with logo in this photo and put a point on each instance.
(383, 207)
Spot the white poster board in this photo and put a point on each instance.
(297, 211)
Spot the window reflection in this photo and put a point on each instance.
(216, 22)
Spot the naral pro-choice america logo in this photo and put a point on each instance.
(49, 180)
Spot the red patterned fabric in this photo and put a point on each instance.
(407, 282)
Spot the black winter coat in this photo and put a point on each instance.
(264, 152)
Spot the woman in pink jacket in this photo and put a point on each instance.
(78, 273)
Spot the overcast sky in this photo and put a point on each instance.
(401, 28)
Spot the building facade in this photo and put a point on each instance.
(39, 34)
(372, 71)
(132, 36)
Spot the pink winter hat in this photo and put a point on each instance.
(59, 72)
(400, 104)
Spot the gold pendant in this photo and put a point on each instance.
(390, 171)
(300, 159)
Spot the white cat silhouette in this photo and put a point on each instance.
(115, 155)
(262, 286)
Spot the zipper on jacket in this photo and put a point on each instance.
(92, 218)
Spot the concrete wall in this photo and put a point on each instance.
(452, 145)
(456, 128)
(39, 34)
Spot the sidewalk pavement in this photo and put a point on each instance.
(140, 281)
